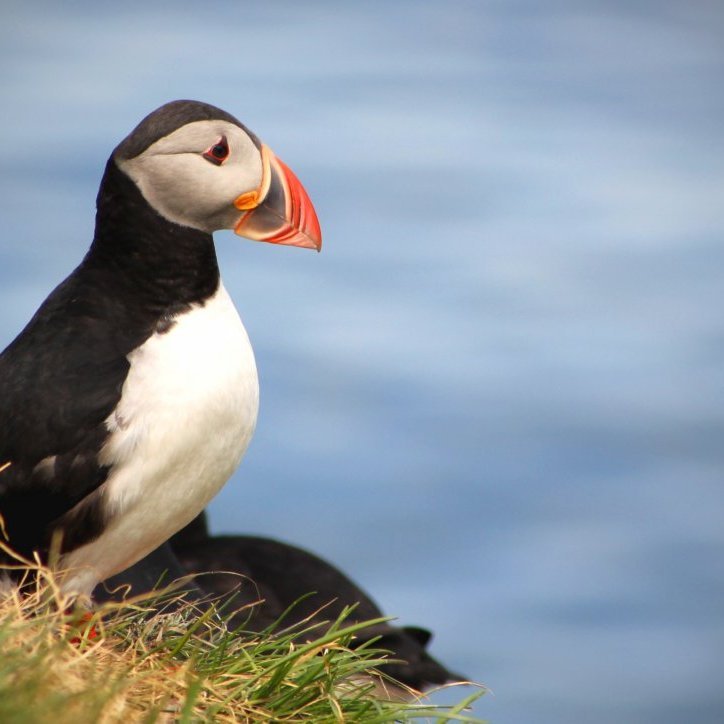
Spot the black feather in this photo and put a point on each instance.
(275, 576)
(168, 118)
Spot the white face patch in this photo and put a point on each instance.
(186, 188)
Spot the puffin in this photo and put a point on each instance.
(263, 579)
(260, 583)
(131, 395)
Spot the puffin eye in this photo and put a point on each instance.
(218, 153)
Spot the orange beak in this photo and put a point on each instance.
(279, 211)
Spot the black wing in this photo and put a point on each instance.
(60, 379)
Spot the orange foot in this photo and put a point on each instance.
(90, 633)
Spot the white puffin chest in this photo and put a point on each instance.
(189, 402)
(187, 412)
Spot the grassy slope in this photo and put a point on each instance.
(126, 665)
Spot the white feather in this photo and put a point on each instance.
(186, 415)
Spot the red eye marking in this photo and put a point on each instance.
(218, 153)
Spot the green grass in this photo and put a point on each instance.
(128, 664)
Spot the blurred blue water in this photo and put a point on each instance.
(496, 398)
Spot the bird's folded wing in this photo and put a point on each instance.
(60, 379)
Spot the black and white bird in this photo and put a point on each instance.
(267, 578)
(130, 397)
